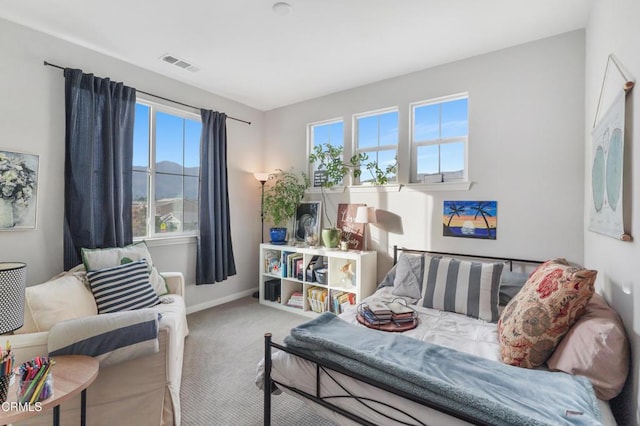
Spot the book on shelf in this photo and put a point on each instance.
(341, 300)
(296, 300)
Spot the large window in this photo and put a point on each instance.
(376, 135)
(327, 132)
(166, 163)
(439, 133)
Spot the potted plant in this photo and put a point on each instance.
(328, 159)
(281, 200)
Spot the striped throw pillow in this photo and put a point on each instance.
(122, 288)
(465, 287)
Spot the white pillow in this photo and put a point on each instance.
(61, 299)
(95, 259)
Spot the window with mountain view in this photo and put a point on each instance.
(166, 163)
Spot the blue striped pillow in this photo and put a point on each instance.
(464, 287)
(123, 287)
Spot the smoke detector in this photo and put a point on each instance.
(178, 62)
(282, 8)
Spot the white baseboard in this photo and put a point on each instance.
(211, 303)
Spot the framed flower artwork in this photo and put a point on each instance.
(18, 190)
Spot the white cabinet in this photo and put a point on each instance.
(309, 281)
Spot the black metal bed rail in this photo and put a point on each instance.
(269, 385)
(508, 260)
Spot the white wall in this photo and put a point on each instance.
(526, 127)
(32, 120)
(613, 28)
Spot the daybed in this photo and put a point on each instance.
(136, 385)
(327, 372)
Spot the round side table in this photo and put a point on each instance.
(72, 375)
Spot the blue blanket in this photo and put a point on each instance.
(486, 390)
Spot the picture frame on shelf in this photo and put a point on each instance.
(308, 217)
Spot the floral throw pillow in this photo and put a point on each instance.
(535, 320)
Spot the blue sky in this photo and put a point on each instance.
(432, 122)
(177, 138)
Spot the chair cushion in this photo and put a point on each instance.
(534, 321)
(122, 288)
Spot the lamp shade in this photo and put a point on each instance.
(12, 284)
(365, 214)
(261, 176)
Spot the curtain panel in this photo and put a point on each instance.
(99, 154)
(215, 261)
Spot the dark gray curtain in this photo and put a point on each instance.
(214, 261)
(98, 158)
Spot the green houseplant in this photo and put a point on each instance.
(328, 159)
(281, 199)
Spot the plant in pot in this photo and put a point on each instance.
(281, 199)
(328, 159)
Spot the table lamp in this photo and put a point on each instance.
(262, 177)
(12, 285)
(365, 215)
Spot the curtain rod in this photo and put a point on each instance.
(156, 96)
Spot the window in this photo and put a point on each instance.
(376, 135)
(166, 163)
(327, 132)
(439, 133)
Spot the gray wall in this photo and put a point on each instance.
(32, 121)
(613, 28)
(526, 125)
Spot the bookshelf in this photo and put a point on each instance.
(309, 281)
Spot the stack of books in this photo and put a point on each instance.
(400, 313)
(376, 313)
(296, 300)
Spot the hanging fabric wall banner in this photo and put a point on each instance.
(606, 171)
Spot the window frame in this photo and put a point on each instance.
(355, 140)
(310, 143)
(151, 171)
(414, 145)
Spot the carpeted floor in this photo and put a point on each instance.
(224, 346)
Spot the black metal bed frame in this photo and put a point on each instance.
(325, 369)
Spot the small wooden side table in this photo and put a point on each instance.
(72, 375)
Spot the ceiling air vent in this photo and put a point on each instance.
(181, 63)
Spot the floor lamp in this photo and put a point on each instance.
(262, 178)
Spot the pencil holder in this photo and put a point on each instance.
(5, 381)
(35, 390)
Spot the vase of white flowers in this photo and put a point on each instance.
(17, 182)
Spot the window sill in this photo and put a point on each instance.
(421, 187)
(168, 241)
(440, 186)
(394, 187)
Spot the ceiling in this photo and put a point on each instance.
(250, 54)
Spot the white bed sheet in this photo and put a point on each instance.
(443, 328)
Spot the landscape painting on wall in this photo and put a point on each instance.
(18, 190)
(470, 219)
